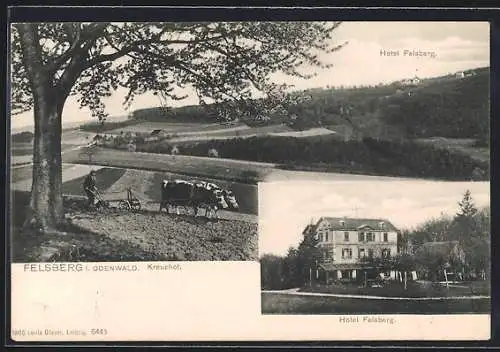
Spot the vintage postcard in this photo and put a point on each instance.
(246, 181)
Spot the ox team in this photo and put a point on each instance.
(197, 195)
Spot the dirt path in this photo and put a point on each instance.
(296, 293)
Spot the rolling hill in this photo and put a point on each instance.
(444, 106)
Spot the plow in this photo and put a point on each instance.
(130, 202)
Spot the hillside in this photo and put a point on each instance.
(441, 106)
(453, 108)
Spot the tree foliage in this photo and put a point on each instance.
(222, 62)
(470, 227)
(293, 269)
(467, 207)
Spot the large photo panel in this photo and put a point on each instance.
(175, 169)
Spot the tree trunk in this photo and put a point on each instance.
(46, 211)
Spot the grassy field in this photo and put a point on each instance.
(464, 146)
(21, 151)
(108, 126)
(25, 172)
(105, 178)
(21, 173)
(246, 195)
(277, 303)
(17, 149)
(191, 132)
(305, 134)
(146, 185)
(244, 132)
(202, 167)
(169, 127)
(414, 289)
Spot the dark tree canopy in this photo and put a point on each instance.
(221, 61)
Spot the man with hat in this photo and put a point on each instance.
(90, 187)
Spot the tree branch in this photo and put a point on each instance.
(88, 37)
(134, 46)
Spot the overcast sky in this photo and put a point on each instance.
(455, 46)
(405, 203)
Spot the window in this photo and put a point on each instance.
(386, 253)
(370, 237)
(346, 253)
(361, 237)
(361, 253)
(346, 236)
(370, 253)
(326, 237)
(321, 236)
(386, 237)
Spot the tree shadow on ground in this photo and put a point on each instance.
(71, 243)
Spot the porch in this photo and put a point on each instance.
(330, 273)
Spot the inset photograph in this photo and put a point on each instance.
(375, 247)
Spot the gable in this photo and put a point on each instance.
(323, 225)
(356, 224)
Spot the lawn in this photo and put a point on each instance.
(105, 178)
(414, 289)
(277, 303)
(239, 171)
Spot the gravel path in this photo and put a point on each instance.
(341, 295)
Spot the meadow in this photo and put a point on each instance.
(237, 171)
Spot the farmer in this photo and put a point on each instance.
(90, 188)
